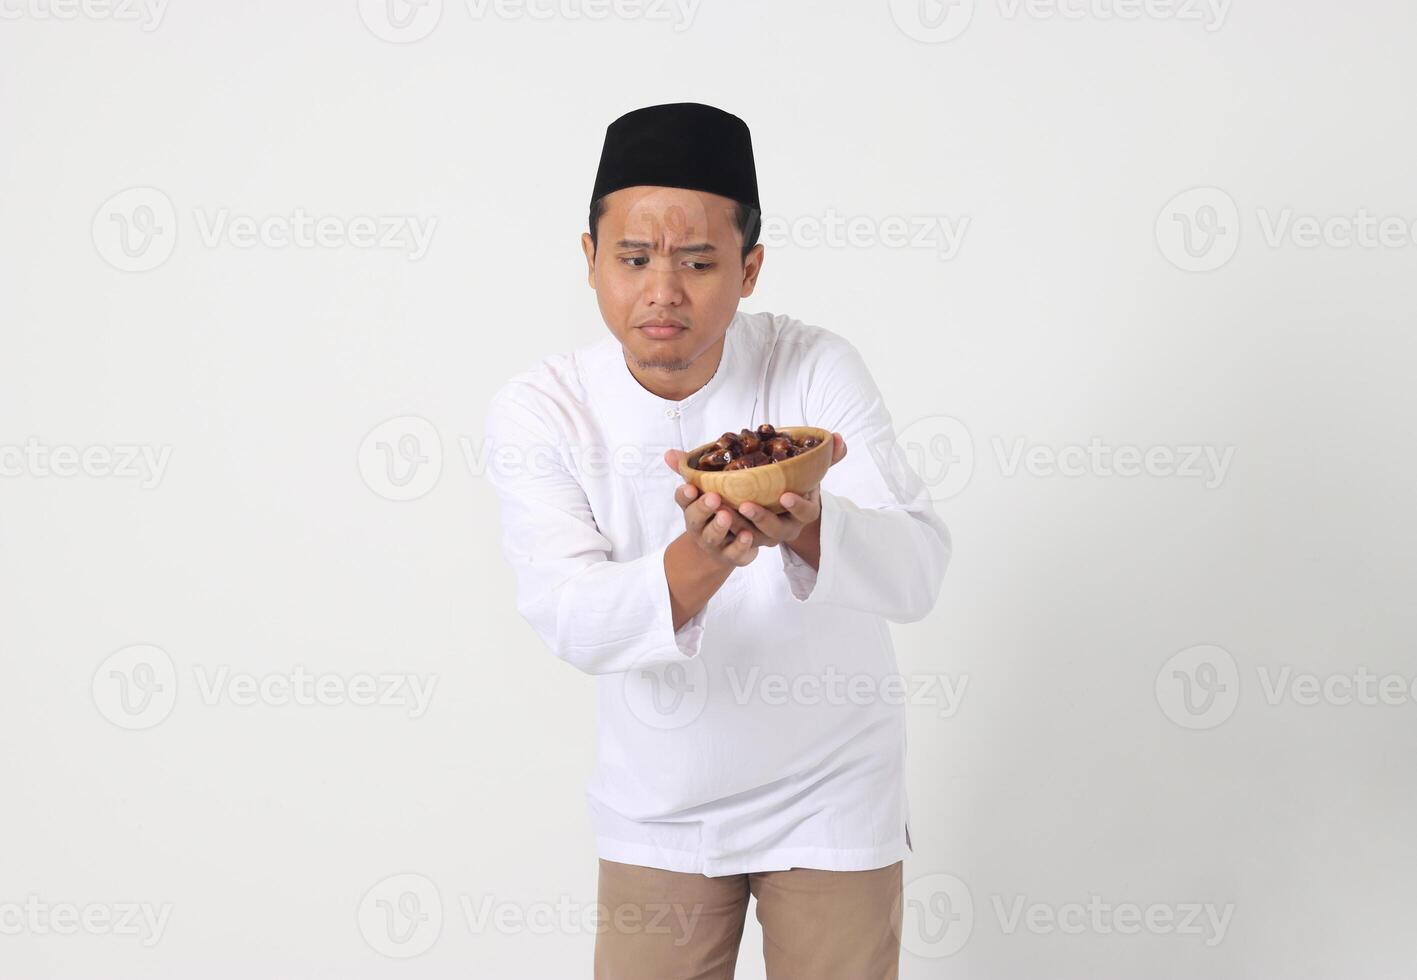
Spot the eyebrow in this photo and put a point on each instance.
(696, 247)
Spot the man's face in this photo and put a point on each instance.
(669, 255)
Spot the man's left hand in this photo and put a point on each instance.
(802, 509)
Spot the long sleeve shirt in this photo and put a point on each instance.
(768, 731)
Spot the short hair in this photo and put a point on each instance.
(747, 217)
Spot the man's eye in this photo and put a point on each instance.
(640, 261)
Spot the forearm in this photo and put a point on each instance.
(693, 578)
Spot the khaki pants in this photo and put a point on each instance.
(817, 925)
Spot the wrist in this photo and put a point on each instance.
(704, 567)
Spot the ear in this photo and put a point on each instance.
(751, 267)
(588, 247)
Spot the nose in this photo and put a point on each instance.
(663, 287)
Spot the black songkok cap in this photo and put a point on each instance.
(682, 144)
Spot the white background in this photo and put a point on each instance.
(1068, 315)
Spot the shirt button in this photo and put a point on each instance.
(671, 413)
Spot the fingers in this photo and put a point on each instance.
(773, 527)
(729, 537)
(685, 494)
(804, 508)
(717, 531)
(741, 550)
(720, 530)
(698, 507)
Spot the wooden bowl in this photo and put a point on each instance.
(764, 484)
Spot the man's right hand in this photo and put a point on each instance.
(721, 533)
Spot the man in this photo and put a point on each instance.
(752, 737)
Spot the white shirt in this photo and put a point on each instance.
(769, 731)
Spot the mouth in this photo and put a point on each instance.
(662, 330)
